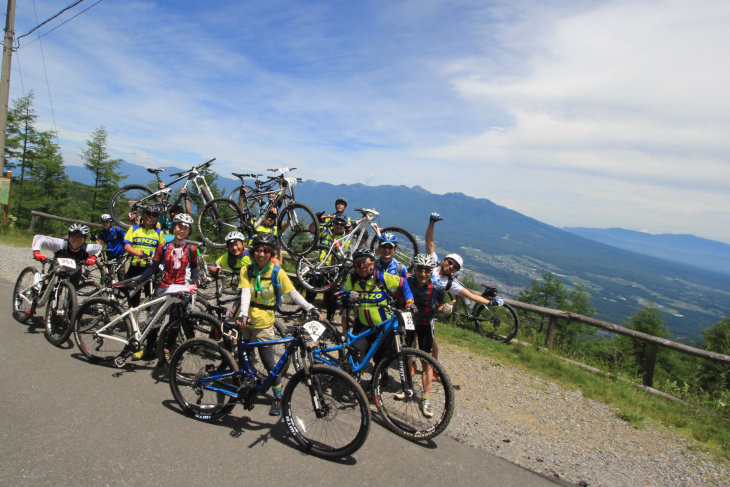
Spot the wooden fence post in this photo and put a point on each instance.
(552, 328)
(649, 364)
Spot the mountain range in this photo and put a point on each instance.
(502, 247)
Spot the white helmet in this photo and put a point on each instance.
(235, 236)
(183, 219)
(456, 258)
(424, 260)
(78, 228)
(106, 217)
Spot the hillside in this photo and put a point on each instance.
(509, 249)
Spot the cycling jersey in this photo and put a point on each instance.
(114, 240)
(394, 267)
(261, 309)
(450, 284)
(327, 237)
(229, 262)
(263, 229)
(427, 299)
(145, 241)
(60, 248)
(373, 300)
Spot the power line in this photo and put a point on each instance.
(59, 25)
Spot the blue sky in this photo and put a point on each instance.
(593, 113)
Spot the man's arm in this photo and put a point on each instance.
(430, 247)
(479, 298)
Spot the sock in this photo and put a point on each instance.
(277, 391)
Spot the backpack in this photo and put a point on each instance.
(274, 282)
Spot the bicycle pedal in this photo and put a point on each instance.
(119, 362)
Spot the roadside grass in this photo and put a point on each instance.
(706, 430)
(16, 237)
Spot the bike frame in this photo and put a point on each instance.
(283, 193)
(355, 235)
(193, 175)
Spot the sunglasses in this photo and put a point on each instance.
(147, 213)
(423, 270)
(363, 265)
(262, 250)
(387, 246)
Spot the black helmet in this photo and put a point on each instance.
(339, 220)
(265, 239)
(341, 200)
(152, 209)
(362, 252)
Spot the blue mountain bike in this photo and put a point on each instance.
(325, 410)
(413, 404)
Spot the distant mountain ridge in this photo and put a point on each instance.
(682, 248)
(509, 249)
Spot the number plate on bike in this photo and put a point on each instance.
(65, 262)
(315, 330)
(408, 321)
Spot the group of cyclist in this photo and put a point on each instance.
(157, 241)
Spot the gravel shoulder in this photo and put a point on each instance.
(539, 425)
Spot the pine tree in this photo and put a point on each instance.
(104, 168)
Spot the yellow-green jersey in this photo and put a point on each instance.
(144, 240)
(263, 229)
(263, 300)
(373, 308)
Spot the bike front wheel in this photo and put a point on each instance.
(318, 275)
(326, 411)
(218, 218)
(401, 403)
(60, 313)
(95, 343)
(298, 229)
(25, 295)
(497, 322)
(129, 199)
(407, 245)
(175, 332)
(196, 368)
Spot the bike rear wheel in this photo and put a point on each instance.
(407, 245)
(191, 366)
(129, 199)
(60, 314)
(497, 322)
(93, 315)
(326, 412)
(175, 332)
(218, 218)
(25, 295)
(244, 202)
(317, 276)
(298, 229)
(401, 404)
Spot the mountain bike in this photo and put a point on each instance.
(33, 289)
(325, 410)
(496, 322)
(98, 279)
(105, 332)
(297, 226)
(399, 381)
(242, 193)
(129, 201)
(326, 266)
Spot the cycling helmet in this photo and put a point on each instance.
(388, 238)
(424, 260)
(78, 228)
(456, 258)
(339, 220)
(183, 219)
(106, 217)
(273, 212)
(362, 253)
(235, 236)
(265, 239)
(341, 200)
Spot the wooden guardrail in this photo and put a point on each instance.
(35, 214)
(652, 341)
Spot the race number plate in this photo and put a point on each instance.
(315, 329)
(65, 262)
(408, 320)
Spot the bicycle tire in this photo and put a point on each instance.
(404, 416)
(192, 325)
(128, 199)
(25, 296)
(407, 245)
(341, 423)
(247, 202)
(92, 315)
(500, 323)
(318, 276)
(329, 338)
(218, 218)
(197, 359)
(293, 226)
(60, 314)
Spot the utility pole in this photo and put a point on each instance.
(5, 78)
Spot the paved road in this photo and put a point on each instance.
(64, 421)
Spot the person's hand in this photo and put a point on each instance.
(435, 217)
(315, 313)
(91, 260)
(242, 321)
(38, 256)
(413, 308)
(353, 297)
(160, 185)
(497, 302)
(193, 288)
